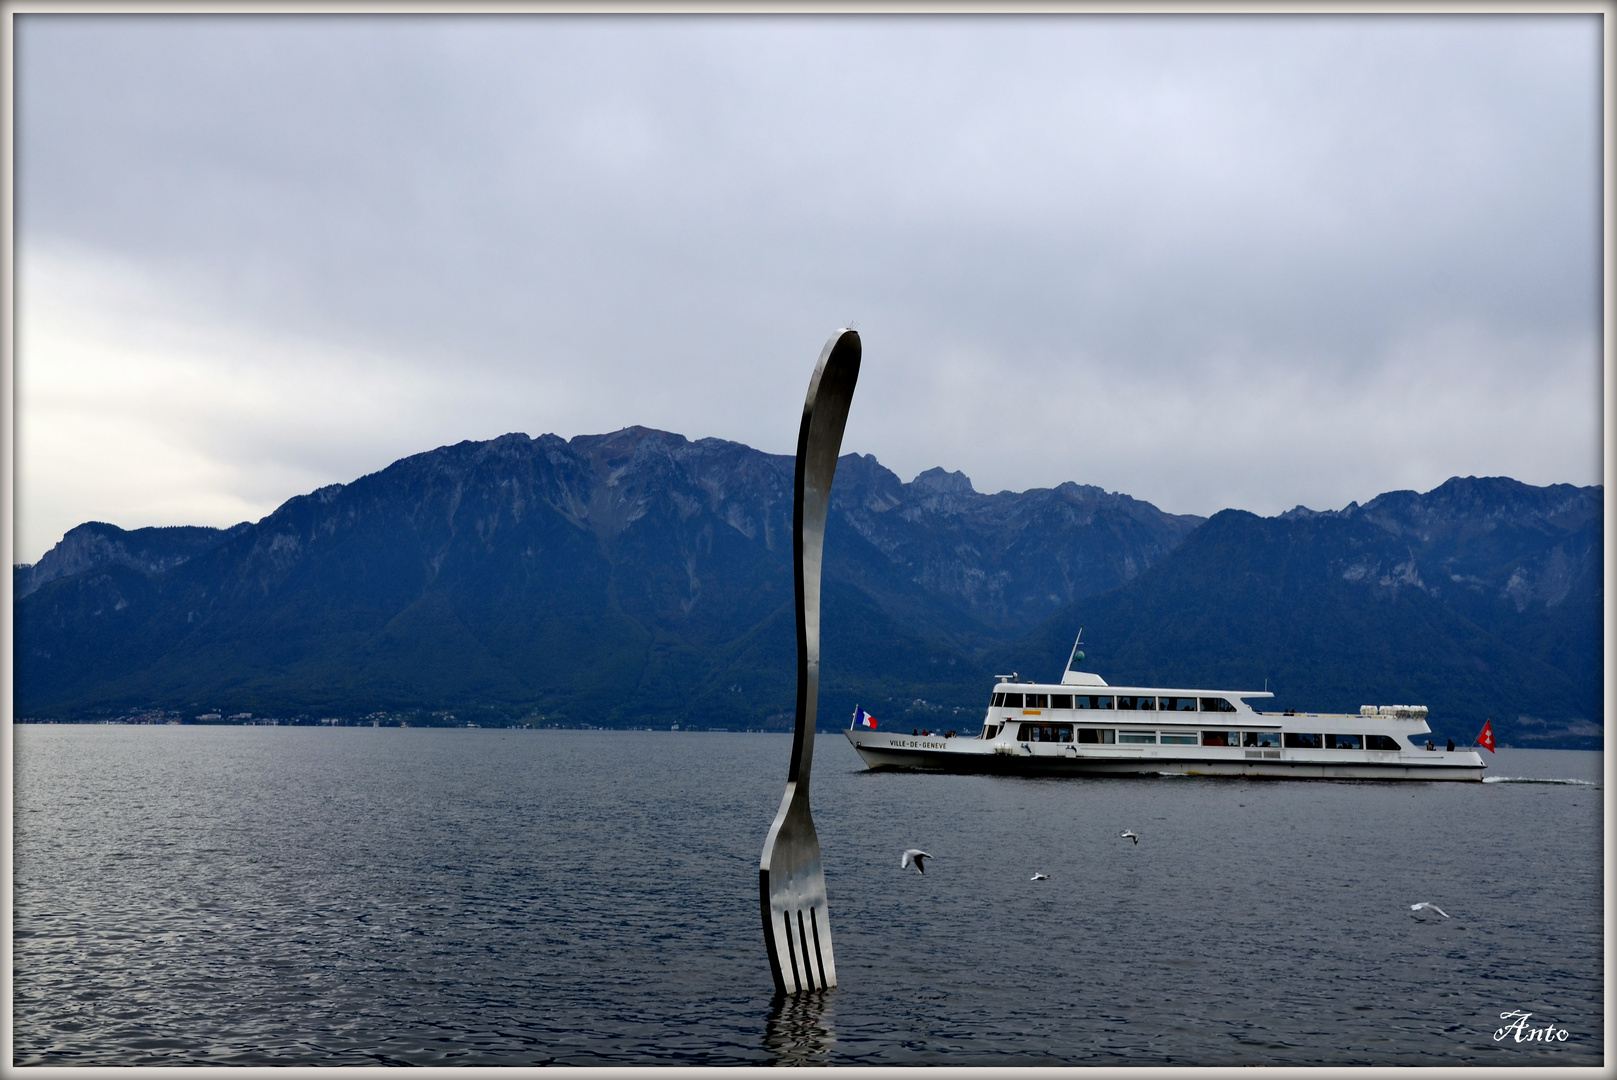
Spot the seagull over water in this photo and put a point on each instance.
(1434, 907)
(1039, 877)
(1129, 834)
(913, 857)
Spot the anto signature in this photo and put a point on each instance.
(1518, 1025)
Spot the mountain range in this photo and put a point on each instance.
(642, 578)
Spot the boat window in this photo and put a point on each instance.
(1044, 733)
(1136, 736)
(1136, 703)
(1302, 740)
(1179, 738)
(1178, 704)
(1381, 742)
(1091, 701)
(1035, 701)
(999, 699)
(1261, 738)
(1216, 704)
(1013, 701)
(1097, 735)
(1060, 701)
(1343, 742)
(1221, 738)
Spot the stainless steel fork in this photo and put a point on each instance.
(791, 881)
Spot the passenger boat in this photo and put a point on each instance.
(1083, 726)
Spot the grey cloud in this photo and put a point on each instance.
(675, 211)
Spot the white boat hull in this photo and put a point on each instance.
(974, 755)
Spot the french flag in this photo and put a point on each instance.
(862, 719)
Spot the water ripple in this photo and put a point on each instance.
(261, 896)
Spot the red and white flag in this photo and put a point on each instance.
(1486, 738)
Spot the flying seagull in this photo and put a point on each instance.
(1130, 834)
(1434, 907)
(913, 856)
(1039, 877)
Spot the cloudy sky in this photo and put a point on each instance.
(1209, 262)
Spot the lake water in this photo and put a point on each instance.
(263, 895)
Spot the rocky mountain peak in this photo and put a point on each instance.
(1475, 503)
(945, 483)
(96, 544)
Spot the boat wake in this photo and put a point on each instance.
(1536, 780)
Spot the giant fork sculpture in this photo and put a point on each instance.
(791, 881)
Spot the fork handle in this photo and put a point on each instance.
(819, 441)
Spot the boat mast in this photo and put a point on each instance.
(1075, 656)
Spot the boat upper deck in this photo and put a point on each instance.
(1083, 698)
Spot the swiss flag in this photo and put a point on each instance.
(1486, 738)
